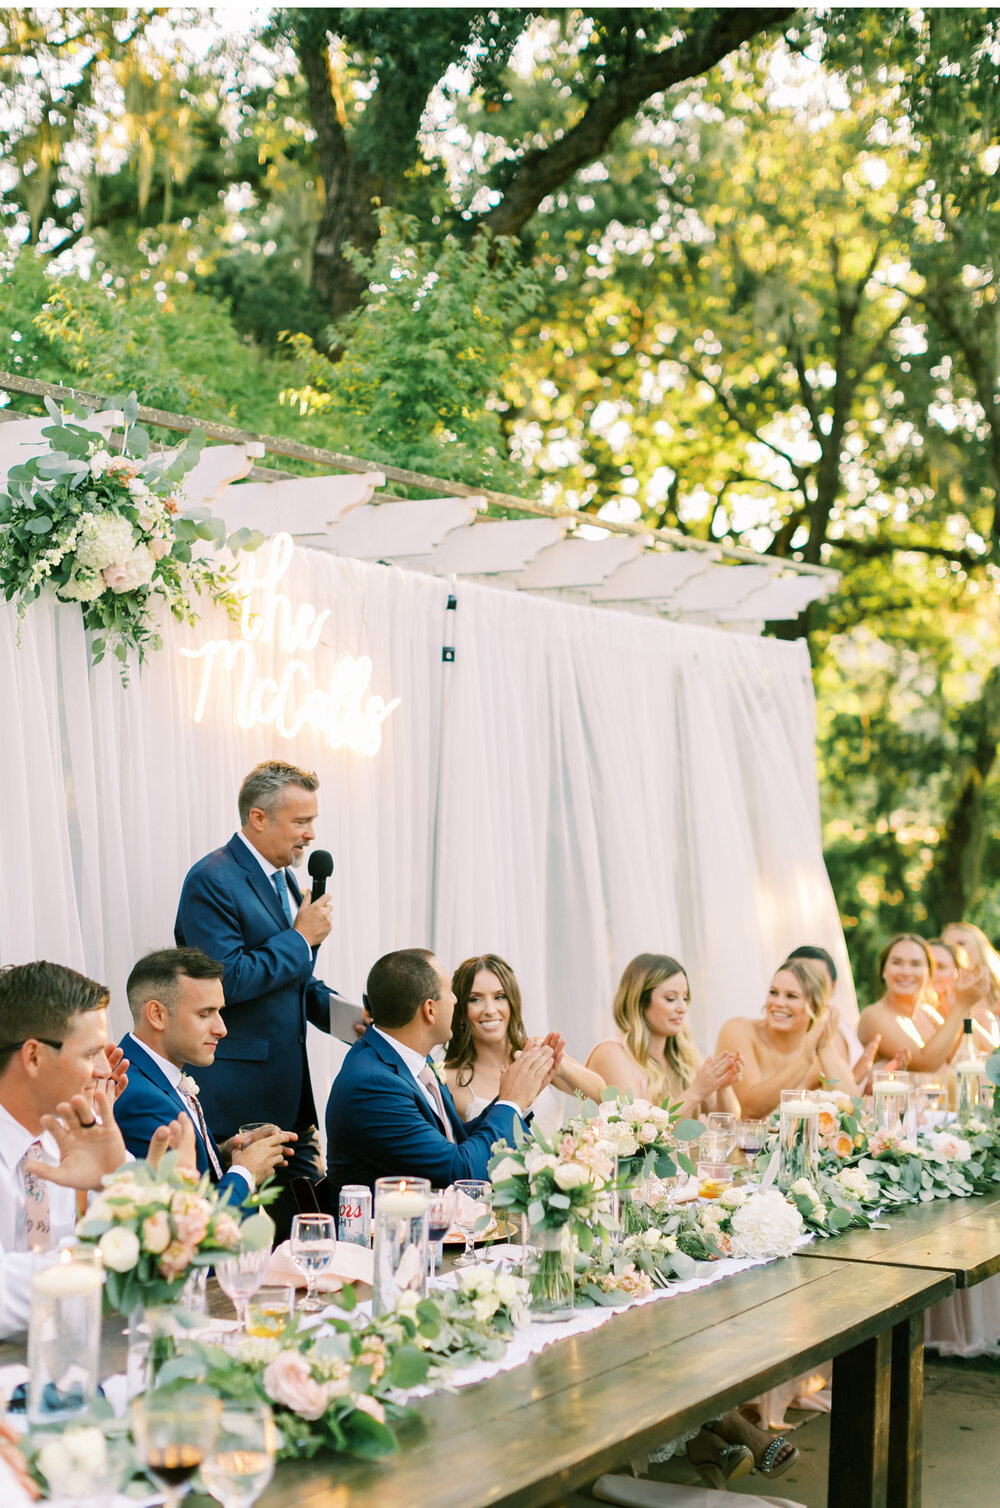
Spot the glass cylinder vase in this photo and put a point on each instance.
(798, 1138)
(64, 1333)
(400, 1226)
(551, 1274)
(893, 1106)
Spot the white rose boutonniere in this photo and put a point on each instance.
(188, 1085)
(439, 1071)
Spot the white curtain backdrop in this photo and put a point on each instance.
(578, 786)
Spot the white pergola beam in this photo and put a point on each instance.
(652, 577)
(784, 598)
(302, 505)
(578, 562)
(403, 529)
(495, 547)
(719, 588)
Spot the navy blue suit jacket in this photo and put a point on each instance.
(149, 1100)
(379, 1124)
(230, 909)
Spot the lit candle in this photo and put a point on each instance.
(67, 1280)
(404, 1205)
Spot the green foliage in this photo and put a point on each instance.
(424, 355)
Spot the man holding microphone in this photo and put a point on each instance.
(242, 905)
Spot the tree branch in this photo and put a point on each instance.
(872, 548)
(540, 172)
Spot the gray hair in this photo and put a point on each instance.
(265, 783)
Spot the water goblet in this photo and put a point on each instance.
(174, 1435)
(439, 1219)
(473, 1211)
(724, 1123)
(241, 1462)
(239, 1277)
(313, 1243)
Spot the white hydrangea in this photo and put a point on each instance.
(84, 585)
(104, 538)
(137, 487)
(854, 1183)
(74, 1462)
(100, 461)
(766, 1226)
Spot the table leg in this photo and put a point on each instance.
(906, 1413)
(859, 1426)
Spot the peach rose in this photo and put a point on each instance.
(226, 1231)
(176, 1260)
(191, 1215)
(115, 577)
(288, 1380)
(827, 1123)
(843, 1144)
(370, 1406)
(156, 1232)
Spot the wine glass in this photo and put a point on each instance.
(473, 1209)
(239, 1277)
(174, 1436)
(439, 1218)
(241, 1462)
(313, 1243)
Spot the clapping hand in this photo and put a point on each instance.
(89, 1141)
(717, 1073)
(119, 1065)
(525, 1078)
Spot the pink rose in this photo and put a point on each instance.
(288, 1380)
(191, 1216)
(115, 577)
(176, 1260)
(159, 547)
(370, 1406)
(156, 1232)
(226, 1231)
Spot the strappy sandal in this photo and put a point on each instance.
(730, 1462)
(770, 1466)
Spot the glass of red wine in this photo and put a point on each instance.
(174, 1435)
(439, 1221)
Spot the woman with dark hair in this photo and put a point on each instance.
(900, 1017)
(654, 1055)
(487, 1032)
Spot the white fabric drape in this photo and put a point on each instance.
(580, 785)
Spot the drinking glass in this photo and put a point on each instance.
(725, 1123)
(751, 1135)
(241, 1462)
(714, 1146)
(257, 1129)
(313, 1243)
(240, 1276)
(439, 1219)
(174, 1436)
(269, 1310)
(64, 1332)
(473, 1213)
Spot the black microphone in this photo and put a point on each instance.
(320, 870)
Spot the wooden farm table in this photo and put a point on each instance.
(961, 1236)
(588, 1404)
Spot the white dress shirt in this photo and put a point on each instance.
(15, 1259)
(173, 1076)
(271, 870)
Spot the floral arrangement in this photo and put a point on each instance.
(758, 1224)
(556, 1181)
(104, 528)
(154, 1225)
(644, 1137)
(457, 1326)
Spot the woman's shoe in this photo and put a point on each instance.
(769, 1465)
(725, 1464)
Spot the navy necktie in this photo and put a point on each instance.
(281, 886)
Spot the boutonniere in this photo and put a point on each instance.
(439, 1070)
(188, 1085)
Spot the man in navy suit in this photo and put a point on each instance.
(388, 1114)
(243, 906)
(176, 1001)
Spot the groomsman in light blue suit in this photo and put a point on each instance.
(176, 1001)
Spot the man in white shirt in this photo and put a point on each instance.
(53, 1060)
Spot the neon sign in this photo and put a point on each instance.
(343, 712)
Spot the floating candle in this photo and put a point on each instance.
(404, 1205)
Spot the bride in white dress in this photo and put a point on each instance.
(487, 1031)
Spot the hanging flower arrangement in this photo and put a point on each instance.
(98, 520)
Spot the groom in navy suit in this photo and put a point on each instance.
(243, 906)
(389, 1115)
(176, 1001)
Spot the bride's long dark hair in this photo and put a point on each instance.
(461, 1053)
